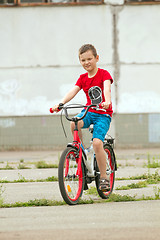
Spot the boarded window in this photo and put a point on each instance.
(47, 2)
(142, 1)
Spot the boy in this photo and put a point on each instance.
(96, 83)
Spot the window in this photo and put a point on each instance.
(7, 2)
(142, 1)
(47, 2)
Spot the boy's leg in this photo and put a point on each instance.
(80, 125)
(100, 156)
(101, 127)
(85, 123)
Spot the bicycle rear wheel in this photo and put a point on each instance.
(110, 161)
(71, 185)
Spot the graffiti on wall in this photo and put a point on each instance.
(12, 104)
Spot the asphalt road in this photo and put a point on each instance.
(124, 220)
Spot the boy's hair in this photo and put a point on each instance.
(87, 47)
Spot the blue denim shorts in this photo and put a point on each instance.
(101, 123)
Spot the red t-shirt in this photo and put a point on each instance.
(87, 84)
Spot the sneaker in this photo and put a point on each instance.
(104, 185)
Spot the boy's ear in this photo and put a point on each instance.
(97, 58)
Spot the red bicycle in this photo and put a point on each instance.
(75, 171)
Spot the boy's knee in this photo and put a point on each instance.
(72, 125)
(80, 125)
(97, 144)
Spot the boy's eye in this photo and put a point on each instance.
(88, 59)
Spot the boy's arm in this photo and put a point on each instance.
(71, 94)
(107, 94)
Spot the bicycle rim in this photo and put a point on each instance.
(110, 172)
(71, 185)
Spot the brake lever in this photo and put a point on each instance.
(99, 107)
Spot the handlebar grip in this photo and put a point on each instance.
(51, 111)
(59, 108)
(100, 105)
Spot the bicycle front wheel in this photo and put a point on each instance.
(71, 184)
(110, 162)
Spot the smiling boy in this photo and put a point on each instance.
(96, 84)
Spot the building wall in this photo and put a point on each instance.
(39, 53)
(45, 132)
(39, 62)
(139, 53)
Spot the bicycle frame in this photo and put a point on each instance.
(77, 142)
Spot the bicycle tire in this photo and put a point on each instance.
(70, 184)
(110, 170)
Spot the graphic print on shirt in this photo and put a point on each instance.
(95, 94)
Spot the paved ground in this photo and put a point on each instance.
(131, 163)
(124, 220)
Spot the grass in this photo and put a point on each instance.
(22, 166)
(33, 203)
(7, 167)
(23, 179)
(127, 164)
(140, 184)
(152, 163)
(1, 192)
(156, 192)
(92, 191)
(151, 178)
(41, 202)
(120, 198)
(46, 202)
(43, 164)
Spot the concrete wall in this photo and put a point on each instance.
(39, 53)
(45, 132)
(139, 53)
(39, 57)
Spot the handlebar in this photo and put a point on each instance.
(75, 119)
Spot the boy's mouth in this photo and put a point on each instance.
(87, 66)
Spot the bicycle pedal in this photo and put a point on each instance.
(88, 180)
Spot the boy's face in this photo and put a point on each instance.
(88, 61)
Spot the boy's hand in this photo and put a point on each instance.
(106, 105)
(55, 108)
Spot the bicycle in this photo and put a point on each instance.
(75, 172)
